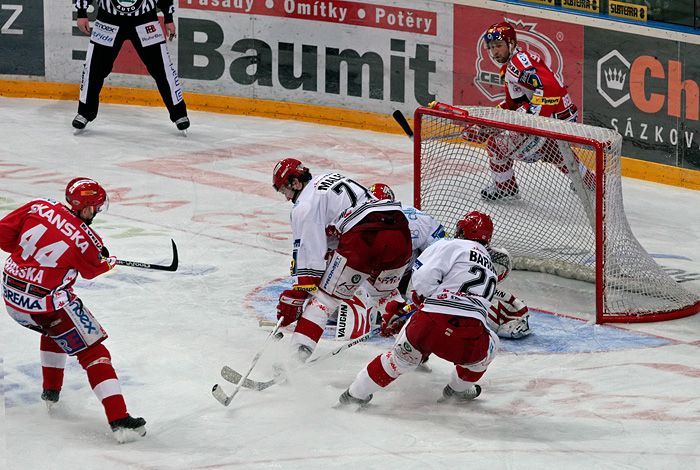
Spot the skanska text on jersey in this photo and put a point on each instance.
(47, 212)
(27, 273)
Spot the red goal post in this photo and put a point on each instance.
(559, 222)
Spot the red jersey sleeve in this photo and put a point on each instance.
(10, 226)
(91, 264)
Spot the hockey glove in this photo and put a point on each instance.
(394, 318)
(291, 305)
(417, 299)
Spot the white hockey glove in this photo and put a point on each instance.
(508, 316)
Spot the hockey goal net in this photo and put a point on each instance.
(566, 217)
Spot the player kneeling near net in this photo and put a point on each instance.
(373, 246)
(457, 281)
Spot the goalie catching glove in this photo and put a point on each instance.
(508, 316)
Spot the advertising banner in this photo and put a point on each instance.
(476, 76)
(22, 37)
(377, 55)
(647, 89)
(371, 56)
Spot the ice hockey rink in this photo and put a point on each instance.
(573, 395)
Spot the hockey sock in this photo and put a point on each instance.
(103, 379)
(53, 363)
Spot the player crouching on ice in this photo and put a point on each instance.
(50, 244)
(508, 316)
(373, 245)
(457, 281)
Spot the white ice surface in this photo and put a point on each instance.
(170, 333)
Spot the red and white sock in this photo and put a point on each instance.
(53, 363)
(103, 379)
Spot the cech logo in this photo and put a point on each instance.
(488, 78)
(612, 71)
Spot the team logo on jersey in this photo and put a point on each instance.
(488, 79)
(127, 6)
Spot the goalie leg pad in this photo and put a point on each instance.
(508, 316)
(313, 320)
(353, 319)
(389, 279)
(339, 279)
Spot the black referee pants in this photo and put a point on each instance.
(109, 33)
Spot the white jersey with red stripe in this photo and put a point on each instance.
(330, 203)
(425, 230)
(456, 277)
(49, 246)
(532, 85)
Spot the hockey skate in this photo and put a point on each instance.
(183, 124)
(303, 353)
(50, 397)
(346, 399)
(128, 429)
(449, 395)
(79, 123)
(493, 193)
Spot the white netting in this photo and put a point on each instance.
(549, 225)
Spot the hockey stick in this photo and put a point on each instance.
(158, 267)
(236, 378)
(218, 392)
(401, 121)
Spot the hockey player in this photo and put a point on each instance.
(50, 244)
(373, 245)
(508, 316)
(137, 21)
(530, 87)
(457, 280)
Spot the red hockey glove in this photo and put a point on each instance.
(417, 299)
(392, 321)
(290, 305)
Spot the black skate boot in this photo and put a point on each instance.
(493, 193)
(50, 397)
(303, 353)
(79, 122)
(449, 395)
(183, 124)
(128, 429)
(347, 399)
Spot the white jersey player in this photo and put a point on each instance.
(457, 280)
(508, 315)
(373, 246)
(356, 316)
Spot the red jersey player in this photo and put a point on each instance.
(533, 88)
(457, 280)
(50, 244)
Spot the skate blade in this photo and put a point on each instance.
(124, 435)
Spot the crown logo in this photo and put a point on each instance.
(615, 79)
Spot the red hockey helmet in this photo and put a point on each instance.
(475, 226)
(503, 31)
(83, 192)
(382, 191)
(289, 168)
